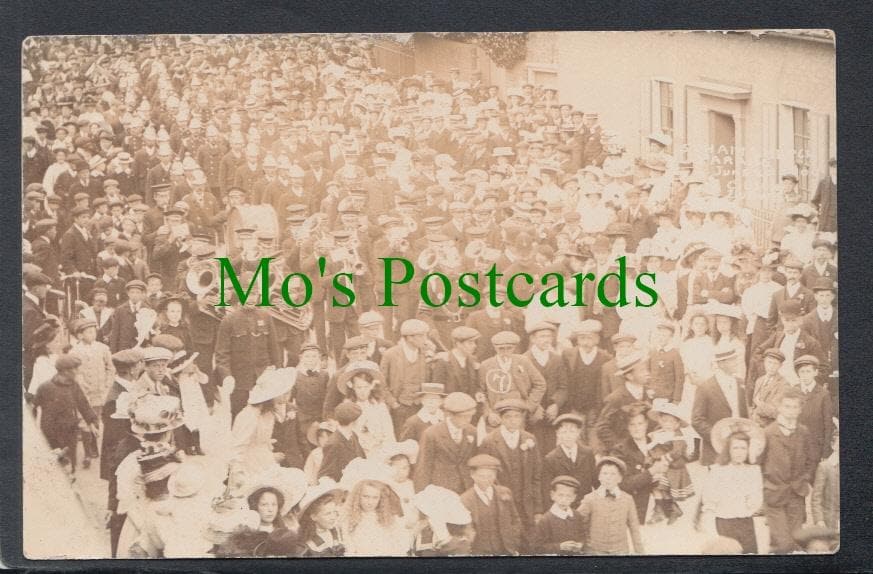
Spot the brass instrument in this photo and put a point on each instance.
(481, 255)
(401, 245)
(202, 277)
(428, 259)
(308, 228)
(299, 318)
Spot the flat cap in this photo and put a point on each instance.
(820, 284)
(506, 405)
(135, 284)
(566, 481)
(569, 418)
(32, 279)
(157, 354)
(774, 353)
(66, 361)
(347, 413)
(505, 338)
(627, 363)
(127, 357)
(370, 318)
(806, 360)
(612, 460)
(588, 327)
(355, 342)
(414, 327)
(484, 461)
(458, 402)
(541, 326)
(464, 333)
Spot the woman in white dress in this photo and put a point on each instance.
(252, 430)
(727, 335)
(697, 352)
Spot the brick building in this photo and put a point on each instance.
(750, 106)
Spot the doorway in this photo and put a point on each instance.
(722, 143)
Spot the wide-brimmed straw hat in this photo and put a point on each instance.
(271, 384)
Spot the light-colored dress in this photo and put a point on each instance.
(96, 372)
(370, 538)
(374, 427)
(251, 436)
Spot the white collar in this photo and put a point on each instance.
(602, 491)
(562, 514)
(822, 313)
(792, 336)
(433, 419)
(453, 430)
(792, 289)
(485, 495)
(635, 391)
(541, 355)
(512, 438)
(410, 352)
(460, 357)
(571, 452)
(345, 431)
(807, 388)
(588, 357)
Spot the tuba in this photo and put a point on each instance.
(428, 259)
(202, 277)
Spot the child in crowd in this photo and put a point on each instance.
(610, 513)
(96, 375)
(671, 444)
(561, 530)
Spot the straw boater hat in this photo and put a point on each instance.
(290, 482)
(151, 414)
(727, 426)
(442, 505)
(326, 487)
(667, 408)
(271, 384)
(344, 379)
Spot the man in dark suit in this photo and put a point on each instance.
(495, 516)
(124, 334)
(668, 371)
(790, 339)
(446, 447)
(822, 263)
(723, 395)
(342, 447)
(520, 458)
(569, 457)
(456, 369)
(489, 321)
(78, 246)
(825, 199)
(551, 365)
(793, 290)
(821, 322)
(160, 173)
(704, 282)
(643, 224)
(584, 364)
(45, 249)
(635, 370)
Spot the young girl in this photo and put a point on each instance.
(172, 321)
(400, 457)
(374, 427)
(734, 489)
(697, 352)
(267, 501)
(319, 520)
(671, 444)
(727, 334)
(317, 435)
(252, 430)
(96, 374)
(372, 523)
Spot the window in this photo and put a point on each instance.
(543, 75)
(663, 110)
(802, 149)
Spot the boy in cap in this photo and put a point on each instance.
(495, 516)
(767, 388)
(110, 281)
(570, 457)
(817, 412)
(610, 513)
(431, 397)
(520, 458)
(561, 530)
(446, 446)
(585, 363)
(793, 290)
(456, 369)
(821, 325)
(405, 368)
(790, 340)
(668, 371)
(96, 373)
(788, 468)
(58, 401)
(342, 447)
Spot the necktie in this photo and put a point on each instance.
(311, 373)
(610, 494)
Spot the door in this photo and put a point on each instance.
(722, 143)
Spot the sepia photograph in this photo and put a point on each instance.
(429, 294)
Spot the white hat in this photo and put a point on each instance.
(188, 479)
(442, 505)
(407, 448)
(325, 486)
(271, 384)
(291, 482)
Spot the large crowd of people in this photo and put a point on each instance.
(408, 430)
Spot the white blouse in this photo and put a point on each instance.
(733, 490)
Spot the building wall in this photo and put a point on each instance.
(612, 73)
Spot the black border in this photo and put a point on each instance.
(850, 22)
